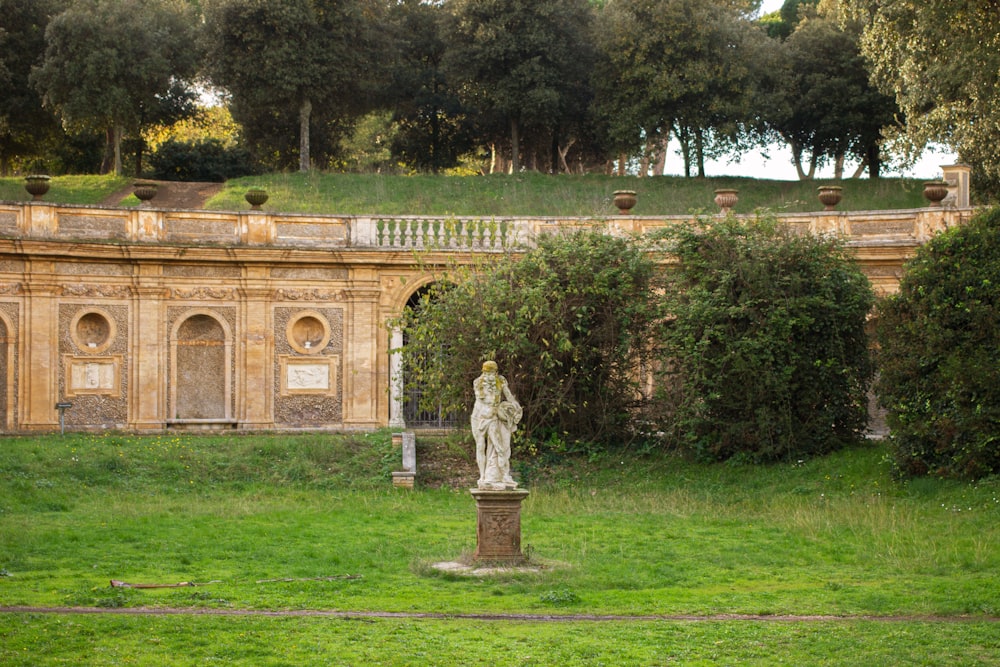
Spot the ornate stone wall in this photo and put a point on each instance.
(149, 319)
(94, 364)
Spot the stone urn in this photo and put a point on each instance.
(144, 191)
(624, 201)
(935, 192)
(726, 199)
(830, 196)
(256, 198)
(36, 185)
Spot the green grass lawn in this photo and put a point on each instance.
(532, 194)
(526, 194)
(311, 522)
(79, 189)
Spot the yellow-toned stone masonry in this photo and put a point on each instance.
(151, 319)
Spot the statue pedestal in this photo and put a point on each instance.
(498, 525)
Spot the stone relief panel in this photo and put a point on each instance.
(312, 273)
(93, 375)
(200, 271)
(93, 227)
(309, 346)
(8, 223)
(92, 269)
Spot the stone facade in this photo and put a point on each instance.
(149, 319)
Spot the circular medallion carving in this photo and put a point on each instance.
(308, 332)
(93, 331)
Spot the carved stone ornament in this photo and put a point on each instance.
(226, 293)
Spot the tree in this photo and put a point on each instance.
(527, 62)
(677, 66)
(23, 122)
(939, 336)
(434, 129)
(301, 64)
(820, 101)
(119, 65)
(568, 323)
(765, 355)
(941, 60)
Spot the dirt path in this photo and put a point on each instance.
(530, 618)
(172, 194)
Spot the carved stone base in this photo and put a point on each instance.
(498, 525)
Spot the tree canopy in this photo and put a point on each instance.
(300, 64)
(525, 61)
(941, 60)
(819, 99)
(491, 85)
(119, 66)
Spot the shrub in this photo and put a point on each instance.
(204, 160)
(939, 360)
(765, 351)
(567, 323)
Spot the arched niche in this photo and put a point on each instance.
(201, 368)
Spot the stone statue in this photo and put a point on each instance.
(493, 421)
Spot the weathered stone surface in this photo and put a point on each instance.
(498, 525)
(113, 306)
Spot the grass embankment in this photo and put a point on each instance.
(531, 194)
(276, 522)
(80, 189)
(526, 194)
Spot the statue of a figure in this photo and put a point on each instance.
(493, 421)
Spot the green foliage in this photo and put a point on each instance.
(819, 100)
(205, 160)
(940, 59)
(676, 66)
(940, 373)
(525, 65)
(567, 322)
(766, 356)
(119, 65)
(295, 69)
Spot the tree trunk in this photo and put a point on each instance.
(838, 167)
(140, 144)
(118, 150)
(873, 157)
(660, 167)
(515, 146)
(797, 159)
(699, 143)
(305, 115)
(861, 169)
(563, 151)
(683, 137)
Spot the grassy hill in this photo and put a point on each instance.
(527, 194)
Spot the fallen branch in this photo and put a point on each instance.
(121, 584)
(330, 578)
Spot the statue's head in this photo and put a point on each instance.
(489, 367)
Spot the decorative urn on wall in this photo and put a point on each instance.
(830, 196)
(725, 199)
(935, 192)
(256, 198)
(144, 191)
(624, 201)
(36, 185)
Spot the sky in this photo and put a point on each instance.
(775, 162)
